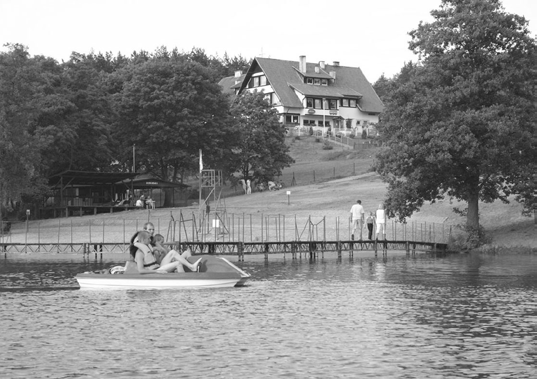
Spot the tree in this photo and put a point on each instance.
(461, 123)
(20, 84)
(75, 116)
(262, 153)
(170, 110)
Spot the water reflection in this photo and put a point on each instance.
(461, 316)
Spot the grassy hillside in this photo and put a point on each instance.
(341, 177)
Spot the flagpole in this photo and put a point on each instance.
(200, 189)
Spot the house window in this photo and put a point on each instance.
(352, 103)
(344, 102)
(317, 82)
(291, 119)
(268, 98)
(309, 80)
(332, 104)
(257, 81)
(326, 123)
(316, 103)
(324, 82)
(309, 122)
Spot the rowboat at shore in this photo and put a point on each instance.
(213, 272)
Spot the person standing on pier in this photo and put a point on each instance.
(357, 217)
(370, 221)
(381, 221)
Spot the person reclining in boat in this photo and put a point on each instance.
(146, 262)
(159, 247)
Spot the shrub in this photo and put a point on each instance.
(311, 131)
(327, 146)
(364, 134)
(352, 135)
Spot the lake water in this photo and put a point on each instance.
(423, 316)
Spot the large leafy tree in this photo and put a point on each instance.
(75, 116)
(261, 153)
(170, 109)
(20, 93)
(462, 123)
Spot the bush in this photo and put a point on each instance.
(352, 135)
(468, 239)
(311, 131)
(327, 146)
(297, 138)
(364, 134)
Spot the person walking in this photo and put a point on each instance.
(381, 221)
(357, 217)
(370, 221)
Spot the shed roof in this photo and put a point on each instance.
(88, 178)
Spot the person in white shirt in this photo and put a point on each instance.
(140, 203)
(381, 221)
(357, 217)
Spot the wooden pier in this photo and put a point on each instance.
(240, 249)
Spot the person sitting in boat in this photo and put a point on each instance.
(146, 262)
(158, 245)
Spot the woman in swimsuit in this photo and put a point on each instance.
(142, 253)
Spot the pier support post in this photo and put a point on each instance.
(240, 251)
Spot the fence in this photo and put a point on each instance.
(215, 227)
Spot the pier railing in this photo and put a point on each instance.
(113, 235)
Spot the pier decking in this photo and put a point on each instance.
(240, 249)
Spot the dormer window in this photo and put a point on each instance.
(316, 82)
(324, 82)
(309, 80)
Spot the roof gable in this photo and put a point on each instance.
(285, 77)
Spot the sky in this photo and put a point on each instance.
(372, 35)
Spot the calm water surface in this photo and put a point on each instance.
(455, 316)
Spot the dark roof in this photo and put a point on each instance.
(228, 84)
(148, 181)
(321, 74)
(71, 177)
(284, 76)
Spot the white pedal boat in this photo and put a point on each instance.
(214, 272)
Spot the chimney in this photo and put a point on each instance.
(302, 64)
(321, 63)
(336, 64)
(238, 73)
(333, 74)
(317, 69)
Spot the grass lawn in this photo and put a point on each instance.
(341, 177)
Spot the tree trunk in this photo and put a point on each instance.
(472, 218)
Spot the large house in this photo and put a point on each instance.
(319, 96)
